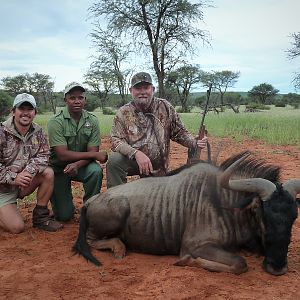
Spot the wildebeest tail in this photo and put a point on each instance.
(81, 246)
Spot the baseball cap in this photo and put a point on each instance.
(140, 77)
(71, 86)
(24, 97)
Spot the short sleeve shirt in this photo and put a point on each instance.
(64, 131)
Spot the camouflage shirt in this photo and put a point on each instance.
(149, 132)
(17, 152)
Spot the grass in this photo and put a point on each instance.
(278, 126)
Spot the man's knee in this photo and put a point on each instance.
(16, 226)
(115, 160)
(48, 174)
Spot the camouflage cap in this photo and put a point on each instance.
(22, 98)
(71, 86)
(141, 77)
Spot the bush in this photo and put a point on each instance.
(6, 102)
(180, 110)
(91, 104)
(280, 104)
(108, 111)
(257, 106)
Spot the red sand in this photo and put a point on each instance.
(40, 265)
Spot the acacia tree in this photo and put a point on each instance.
(101, 82)
(182, 79)
(165, 27)
(293, 53)
(263, 93)
(220, 81)
(113, 55)
(39, 85)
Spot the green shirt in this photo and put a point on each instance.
(64, 131)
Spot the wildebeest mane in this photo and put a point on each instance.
(249, 168)
(253, 167)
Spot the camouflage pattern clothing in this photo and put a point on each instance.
(149, 132)
(17, 152)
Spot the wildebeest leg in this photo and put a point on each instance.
(113, 244)
(213, 258)
(107, 218)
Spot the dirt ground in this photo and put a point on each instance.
(40, 265)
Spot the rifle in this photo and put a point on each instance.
(194, 153)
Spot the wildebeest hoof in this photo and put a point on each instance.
(183, 261)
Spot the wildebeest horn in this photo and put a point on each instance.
(253, 185)
(292, 186)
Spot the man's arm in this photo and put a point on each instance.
(81, 158)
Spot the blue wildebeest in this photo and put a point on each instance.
(204, 214)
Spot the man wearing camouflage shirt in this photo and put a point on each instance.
(141, 134)
(24, 154)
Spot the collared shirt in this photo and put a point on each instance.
(64, 131)
(149, 132)
(17, 152)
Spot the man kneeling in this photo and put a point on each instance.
(24, 155)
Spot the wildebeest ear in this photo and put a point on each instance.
(248, 202)
(298, 202)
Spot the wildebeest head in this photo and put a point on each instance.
(279, 211)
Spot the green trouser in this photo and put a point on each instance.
(118, 167)
(62, 200)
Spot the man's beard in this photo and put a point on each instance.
(143, 104)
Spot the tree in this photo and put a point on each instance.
(166, 27)
(14, 85)
(292, 99)
(263, 93)
(39, 85)
(113, 54)
(293, 53)
(220, 81)
(6, 102)
(183, 78)
(101, 82)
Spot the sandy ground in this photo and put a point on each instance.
(40, 265)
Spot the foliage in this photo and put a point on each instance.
(108, 67)
(280, 103)
(108, 111)
(293, 53)
(292, 99)
(39, 85)
(263, 93)
(220, 81)
(92, 103)
(182, 79)
(167, 28)
(256, 106)
(101, 82)
(6, 102)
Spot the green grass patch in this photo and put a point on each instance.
(278, 126)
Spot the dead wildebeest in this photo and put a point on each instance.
(204, 214)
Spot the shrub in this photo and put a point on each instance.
(280, 104)
(257, 106)
(108, 111)
(6, 102)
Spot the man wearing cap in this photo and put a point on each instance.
(141, 134)
(24, 155)
(74, 138)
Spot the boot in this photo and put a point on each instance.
(42, 220)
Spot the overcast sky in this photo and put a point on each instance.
(52, 37)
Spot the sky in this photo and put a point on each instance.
(52, 37)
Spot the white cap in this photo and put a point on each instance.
(71, 86)
(21, 98)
